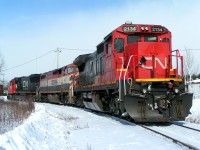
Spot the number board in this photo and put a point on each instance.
(157, 29)
(129, 28)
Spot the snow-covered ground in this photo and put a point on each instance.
(60, 127)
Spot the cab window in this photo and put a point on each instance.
(133, 38)
(70, 70)
(119, 45)
(151, 39)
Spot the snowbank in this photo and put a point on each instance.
(194, 117)
(34, 133)
(3, 98)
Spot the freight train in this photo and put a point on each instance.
(133, 73)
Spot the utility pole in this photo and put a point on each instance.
(58, 51)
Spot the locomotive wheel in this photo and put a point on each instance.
(44, 99)
(115, 106)
(78, 101)
(63, 99)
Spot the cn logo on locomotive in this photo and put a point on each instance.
(156, 61)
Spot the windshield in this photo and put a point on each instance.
(119, 45)
(151, 38)
(133, 38)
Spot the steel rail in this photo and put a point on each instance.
(198, 130)
(171, 138)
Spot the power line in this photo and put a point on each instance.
(58, 50)
(77, 49)
(28, 61)
(43, 56)
(190, 49)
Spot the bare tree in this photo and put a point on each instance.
(2, 63)
(190, 65)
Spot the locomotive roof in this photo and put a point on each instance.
(81, 59)
(120, 29)
(139, 28)
(105, 38)
(34, 75)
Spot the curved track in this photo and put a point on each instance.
(176, 140)
(198, 130)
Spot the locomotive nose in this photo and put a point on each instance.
(142, 109)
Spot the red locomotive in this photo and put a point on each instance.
(23, 88)
(133, 73)
(11, 88)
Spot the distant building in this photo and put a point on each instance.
(1, 90)
(194, 87)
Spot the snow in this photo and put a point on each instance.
(62, 127)
(194, 117)
(194, 81)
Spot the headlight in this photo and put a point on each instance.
(176, 90)
(144, 91)
(149, 87)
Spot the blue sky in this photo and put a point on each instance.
(31, 28)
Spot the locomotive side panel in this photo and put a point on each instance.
(34, 83)
(54, 82)
(57, 86)
(43, 83)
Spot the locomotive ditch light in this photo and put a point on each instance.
(149, 87)
(176, 91)
(144, 91)
(125, 114)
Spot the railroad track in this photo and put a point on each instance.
(198, 130)
(177, 141)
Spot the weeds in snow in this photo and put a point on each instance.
(69, 118)
(63, 117)
(89, 147)
(192, 119)
(13, 113)
(77, 126)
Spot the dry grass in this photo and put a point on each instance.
(13, 113)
